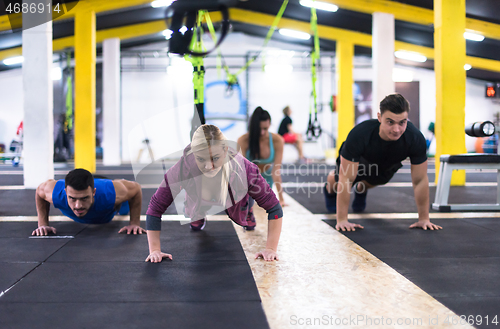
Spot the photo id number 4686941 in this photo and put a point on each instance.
(473, 320)
(17, 7)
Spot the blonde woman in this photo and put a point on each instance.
(215, 178)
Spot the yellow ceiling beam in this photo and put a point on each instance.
(131, 31)
(331, 33)
(413, 14)
(12, 52)
(426, 51)
(325, 32)
(244, 16)
(99, 6)
(124, 33)
(400, 11)
(483, 63)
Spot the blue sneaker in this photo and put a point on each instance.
(330, 201)
(359, 202)
(198, 225)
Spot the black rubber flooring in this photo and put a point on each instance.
(393, 199)
(99, 279)
(458, 265)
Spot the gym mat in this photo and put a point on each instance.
(385, 199)
(125, 315)
(100, 279)
(215, 243)
(458, 265)
(24, 229)
(10, 273)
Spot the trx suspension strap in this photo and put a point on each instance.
(68, 120)
(188, 9)
(314, 128)
(198, 77)
(232, 79)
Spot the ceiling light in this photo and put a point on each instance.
(295, 34)
(319, 5)
(278, 68)
(167, 34)
(410, 56)
(467, 67)
(280, 53)
(401, 75)
(161, 3)
(13, 60)
(56, 73)
(473, 36)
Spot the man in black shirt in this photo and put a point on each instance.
(371, 155)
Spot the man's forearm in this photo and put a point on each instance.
(273, 233)
(42, 209)
(421, 191)
(343, 197)
(135, 208)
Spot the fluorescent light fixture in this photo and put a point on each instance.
(13, 60)
(410, 56)
(319, 5)
(473, 36)
(467, 67)
(280, 53)
(161, 3)
(56, 73)
(278, 68)
(167, 34)
(295, 34)
(401, 75)
(179, 66)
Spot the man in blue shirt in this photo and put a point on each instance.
(89, 200)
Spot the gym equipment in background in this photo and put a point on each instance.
(183, 13)
(467, 161)
(314, 127)
(231, 89)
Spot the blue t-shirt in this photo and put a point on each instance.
(101, 212)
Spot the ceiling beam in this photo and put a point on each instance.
(259, 19)
(413, 14)
(124, 33)
(334, 34)
(327, 32)
(99, 6)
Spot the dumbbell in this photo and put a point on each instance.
(480, 129)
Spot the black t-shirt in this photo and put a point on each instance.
(284, 125)
(365, 143)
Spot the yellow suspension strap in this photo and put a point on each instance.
(232, 79)
(314, 127)
(214, 38)
(198, 76)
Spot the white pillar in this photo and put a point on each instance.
(111, 101)
(38, 96)
(382, 58)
